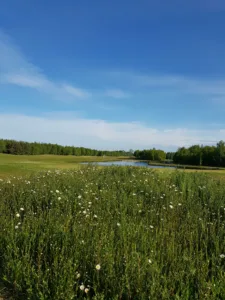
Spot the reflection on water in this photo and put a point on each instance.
(128, 163)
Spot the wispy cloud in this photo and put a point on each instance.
(100, 133)
(210, 87)
(116, 93)
(16, 69)
(76, 91)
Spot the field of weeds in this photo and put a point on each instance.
(112, 233)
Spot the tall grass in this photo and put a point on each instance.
(112, 233)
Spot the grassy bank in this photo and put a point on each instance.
(188, 167)
(26, 164)
(112, 233)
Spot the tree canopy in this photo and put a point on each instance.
(25, 148)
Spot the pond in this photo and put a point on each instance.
(128, 163)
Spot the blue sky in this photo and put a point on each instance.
(113, 74)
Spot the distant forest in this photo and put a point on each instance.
(194, 155)
(25, 148)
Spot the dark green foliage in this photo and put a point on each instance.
(25, 148)
(199, 155)
(152, 154)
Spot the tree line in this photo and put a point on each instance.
(194, 155)
(25, 148)
(151, 154)
(201, 155)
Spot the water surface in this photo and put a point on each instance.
(128, 163)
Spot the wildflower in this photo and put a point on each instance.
(150, 261)
(86, 290)
(57, 191)
(59, 198)
(151, 226)
(16, 227)
(222, 255)
(79, 197)
(78, 275)
(98, 267)
(171, 206)
(21, 208)
(82, 287)
(95, 216)
(17, 215)
(118, 224)
(179, 204)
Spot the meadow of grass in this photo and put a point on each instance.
(27, 164)
(112, 233)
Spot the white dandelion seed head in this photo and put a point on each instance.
(98, 267)
(17, 215)
(82, 287)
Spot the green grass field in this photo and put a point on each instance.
(71, 231)
(25, 164)
(112, 233)
(16, 165)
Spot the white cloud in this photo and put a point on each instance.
(116, 93)
(16, 69)
(101, 134)
(76, 91)
(211, 87)
(25, 80)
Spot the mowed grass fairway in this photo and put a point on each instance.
(26, 164)
(112, 233)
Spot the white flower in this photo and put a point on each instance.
(79, 197)
(98, 267)
(222, 255)
(82, 287)
(95, 216)
(78, 275)
(150, 261)
(86, 290)
(151, 226)
(21, 208)
(59, 198)
(171, 206)
(179, 204)
(57, 191)
(17, 215)
(118, 224)
(16, 227)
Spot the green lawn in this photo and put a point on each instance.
(25, 164)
